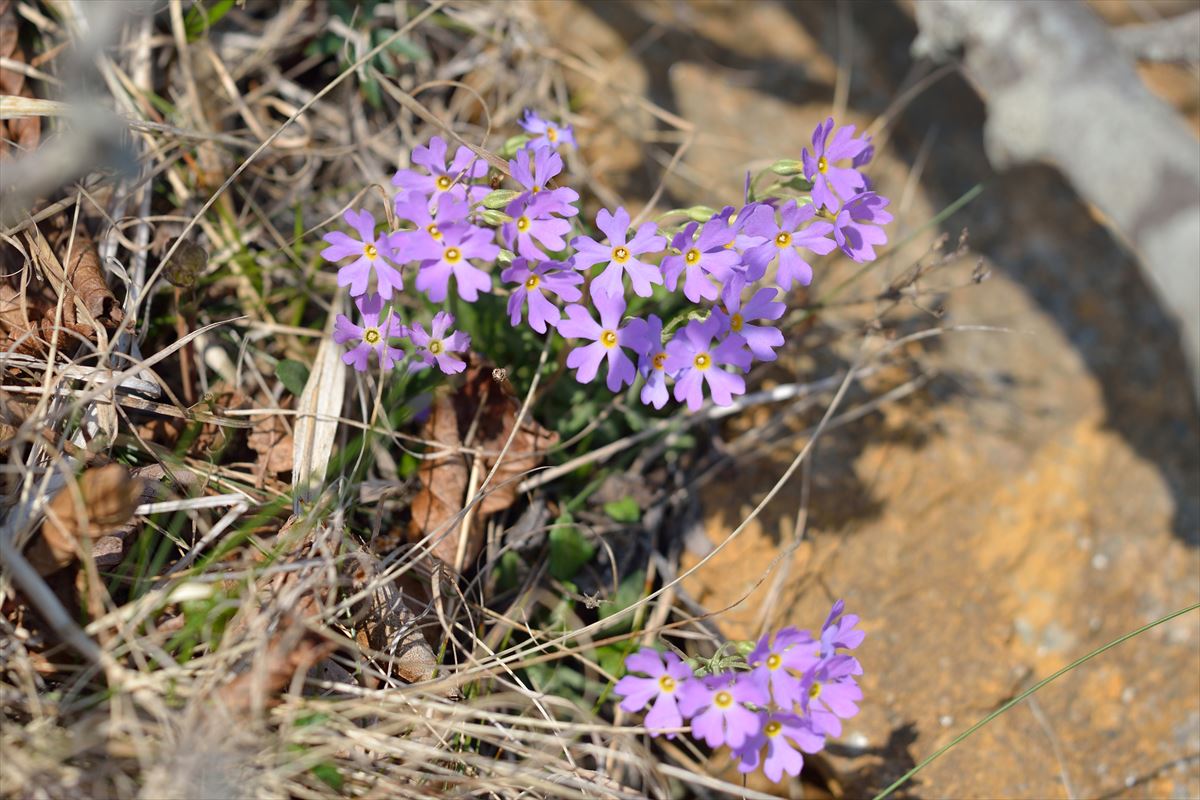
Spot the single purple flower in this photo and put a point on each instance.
(454, 178)
(652, 360)
(534, 175)
(371, 252)
(620, 254)
(761, 339)
(608, 341)
(774, 665)
(437, 346)
(717, 707)
(424, 243)
(547, 133)
(458, 244)
(533, 225)
(548, 276)
(786, 737)
(840, 632)
(831, 182)
(783, 239)
(372, 335)
(709, 253)
(695, 362)
(855, 229)
(667, 676)
(831, 693)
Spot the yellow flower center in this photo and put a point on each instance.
(433, 231)
(609, 339)
(536, 189)
(532, 282)
(723, 699)
(735, 324)
(659, 361)
(783, 239)
(444, 182)
(702, 361)
(620, 254)
(666, 683)
(552, 134)
(370, 251)
(435, 346)
(523, 224)
(452, 255)
(772, 728)
(814, 691)
(371, 336)
(692, 256)
(822, 165)
(774, 661)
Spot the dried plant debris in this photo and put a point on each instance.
(471, 427)
(20, 134)
(99, 503)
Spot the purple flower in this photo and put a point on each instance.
(372, 254)
(536, 174)
(831, 693)
(839, 632)
(436, 346)
(532, 221)
(548, 276)
(855, 227)
(453, 179)
(784, 736)
(773, 665)
(607, 341)
(784, 240)
(424, 243)
(717, 706)
(667, 677)
(830, 182)
(371, 336)
(652, 360)
(548, 134)
(621, 255)
(695, 362)
(710, 253)
(761, 339)
(458, 244)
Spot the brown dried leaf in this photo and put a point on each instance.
(389, 622)
(87, 279)
(485, 411)
(272, 440)
(102, 501)
(25, 132)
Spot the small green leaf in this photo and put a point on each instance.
(293, 374)
(508, 575)
(624, 510)
(513, 144)
(199, 19)
(500, 198)
(329, 775)
(495, 217)
(569, 550)
(788, 166)
(629, 591)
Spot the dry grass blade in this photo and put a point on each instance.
(316, 420)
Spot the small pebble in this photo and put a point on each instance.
(946, 720)
(1099, 561)
(858, 741)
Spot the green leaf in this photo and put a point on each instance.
(199, 19)
(612, 659)
(293, 374)
(495, 217)
(629, 591)
(624, 510)
(329, 775)
(569, 550)
(500, 198)
(513, 144)
(508, 571)
(788, 166)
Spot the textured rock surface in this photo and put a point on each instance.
(1039, 498)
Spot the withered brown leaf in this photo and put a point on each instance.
(477, 418)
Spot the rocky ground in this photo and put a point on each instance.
(1039, 497)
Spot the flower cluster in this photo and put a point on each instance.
(791, 693)
(734, 266)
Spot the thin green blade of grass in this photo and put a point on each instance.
(903, 779)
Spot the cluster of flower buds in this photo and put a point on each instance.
(791, 692)
(721, 261)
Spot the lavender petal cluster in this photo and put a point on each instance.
(791, 695)
(734, 266)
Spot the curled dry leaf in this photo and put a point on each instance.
(20, 134)
(477, 418)
(87, 279)
(389, 623)
(100, 502)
